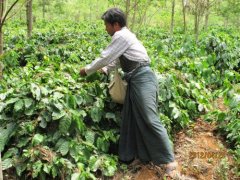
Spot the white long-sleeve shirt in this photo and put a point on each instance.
(124, 42)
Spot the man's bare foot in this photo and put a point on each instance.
(135, 163)
(173, 173)
(170, 167)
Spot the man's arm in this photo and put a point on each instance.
(117, 47)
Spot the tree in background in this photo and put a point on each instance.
(172, 17)
(185, 6)
(199, 8)
(44, 4)
(43, 8)
(230, 10)
(4, 12)
(135, 10)
(207, 13)
(4, 15)
(29, 18)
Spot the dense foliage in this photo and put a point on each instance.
(56, 124)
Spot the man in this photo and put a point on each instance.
(142, 135)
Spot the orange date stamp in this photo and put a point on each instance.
(207, 154)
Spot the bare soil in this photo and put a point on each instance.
(200, 152)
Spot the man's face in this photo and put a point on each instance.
(110, 29)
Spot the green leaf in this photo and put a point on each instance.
(79, 122)
(54, 171)
(110, 170)
(200, 107)
(75, 176)
(36, 91)
(43, 122)
(102, 144)
(75, 151)
(44, 91)
(37, 139)
(110, 116)
(47, 168)
(57, 115)
(23, 141)
(10, 153)
(90, 136)
(94, 163)
(37, 167)
(57, 95)
(11, 101)
(58, 106)
(18, 105)
(64, 148)
(162, 94)
(109, 166)
(96, 114)
(29, 111)
(64, 124)
(175, 113)
(71, 101)
(2, 106)
(47, 116)
(79, 99)
(7, 163)
(20, 167)
(5, 134)
(221, 116)
(191, 105)
(3, 96)
(28, 102)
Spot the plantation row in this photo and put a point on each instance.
(56, 124)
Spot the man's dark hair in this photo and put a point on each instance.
(114, 15)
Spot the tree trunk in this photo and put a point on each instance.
(127, 9)
(44, 8)
(207, 15)
(172, 18)
(91, 10)
(196, 21)
(29, 18)
(144, 15)
(184, 16)
(206, 21)
(134, 14)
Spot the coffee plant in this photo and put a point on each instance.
(56, 124)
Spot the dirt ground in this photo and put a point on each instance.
(200, 153)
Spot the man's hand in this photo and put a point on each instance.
(103, 70)
(83, 72)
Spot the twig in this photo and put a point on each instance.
(7, 12)
(10, 16)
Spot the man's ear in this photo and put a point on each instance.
(117, 25)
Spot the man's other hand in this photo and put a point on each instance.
(83, 72)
